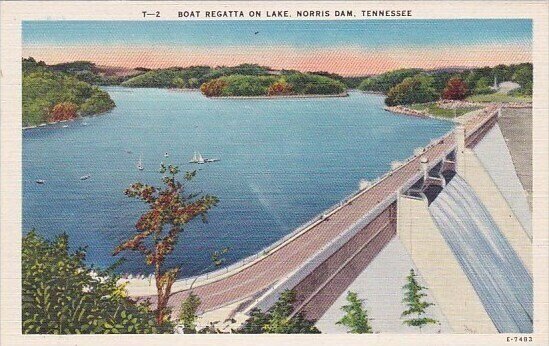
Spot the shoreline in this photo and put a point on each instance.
(371, 92)
(62, 121)
(305, 96)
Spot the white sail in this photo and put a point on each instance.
(200, 159)
(194, 159)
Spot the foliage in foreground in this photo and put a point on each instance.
(188, 313)
(159, 228)
(356, 317)
(415, 314)
(62, 295)
(277, 320)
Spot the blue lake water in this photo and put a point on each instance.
(282, 161)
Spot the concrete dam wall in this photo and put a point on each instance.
(497, 274)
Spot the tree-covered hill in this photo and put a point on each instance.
(50, 95)
(191, 77)
(273, 85)
(406, 86)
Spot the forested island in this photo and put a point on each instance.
(68, 90)
(51, 96)
(241, 80)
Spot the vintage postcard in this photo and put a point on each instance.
(331, 168)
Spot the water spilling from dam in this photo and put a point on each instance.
(498, 276)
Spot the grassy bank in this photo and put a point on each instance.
(435, 110)
(497, 97)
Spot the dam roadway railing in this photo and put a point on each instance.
(218, 274)
(260, 278)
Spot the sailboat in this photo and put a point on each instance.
(200, 159)
(140, 164)
(197, 158)
(194, 159)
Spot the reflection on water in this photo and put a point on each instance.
(281, 162)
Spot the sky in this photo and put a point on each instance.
(346, 47)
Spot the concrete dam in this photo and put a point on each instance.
(498, 276)
(443, 214)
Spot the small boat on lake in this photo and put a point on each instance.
(140, 164)
(166, 155)
(200, 160)
(84, 124)
(40, 181)
(65, 126)
(85, 177)
(197, 158)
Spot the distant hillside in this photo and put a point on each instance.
(191, 77)
(406, 86)
(99, 75)
(51, 95)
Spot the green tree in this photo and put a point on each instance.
(62, 295)
(415, 314)
(169, 211)
(278, 319)
(483, 86)
(356, 317)
(385, 81)
(188, 313)
(189, 307)
(415, 89)
(179, 82)
(524, 76)
(193, 83)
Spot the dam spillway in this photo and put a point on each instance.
(500, 279)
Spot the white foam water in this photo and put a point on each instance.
(498, 276)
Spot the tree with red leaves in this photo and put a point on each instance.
(213, 88)
(63, 111)
(279, 88)
(169, 211)
(456, 89)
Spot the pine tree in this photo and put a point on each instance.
(187, 313)
(278, 319)
(356, 317)
(413, 298)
